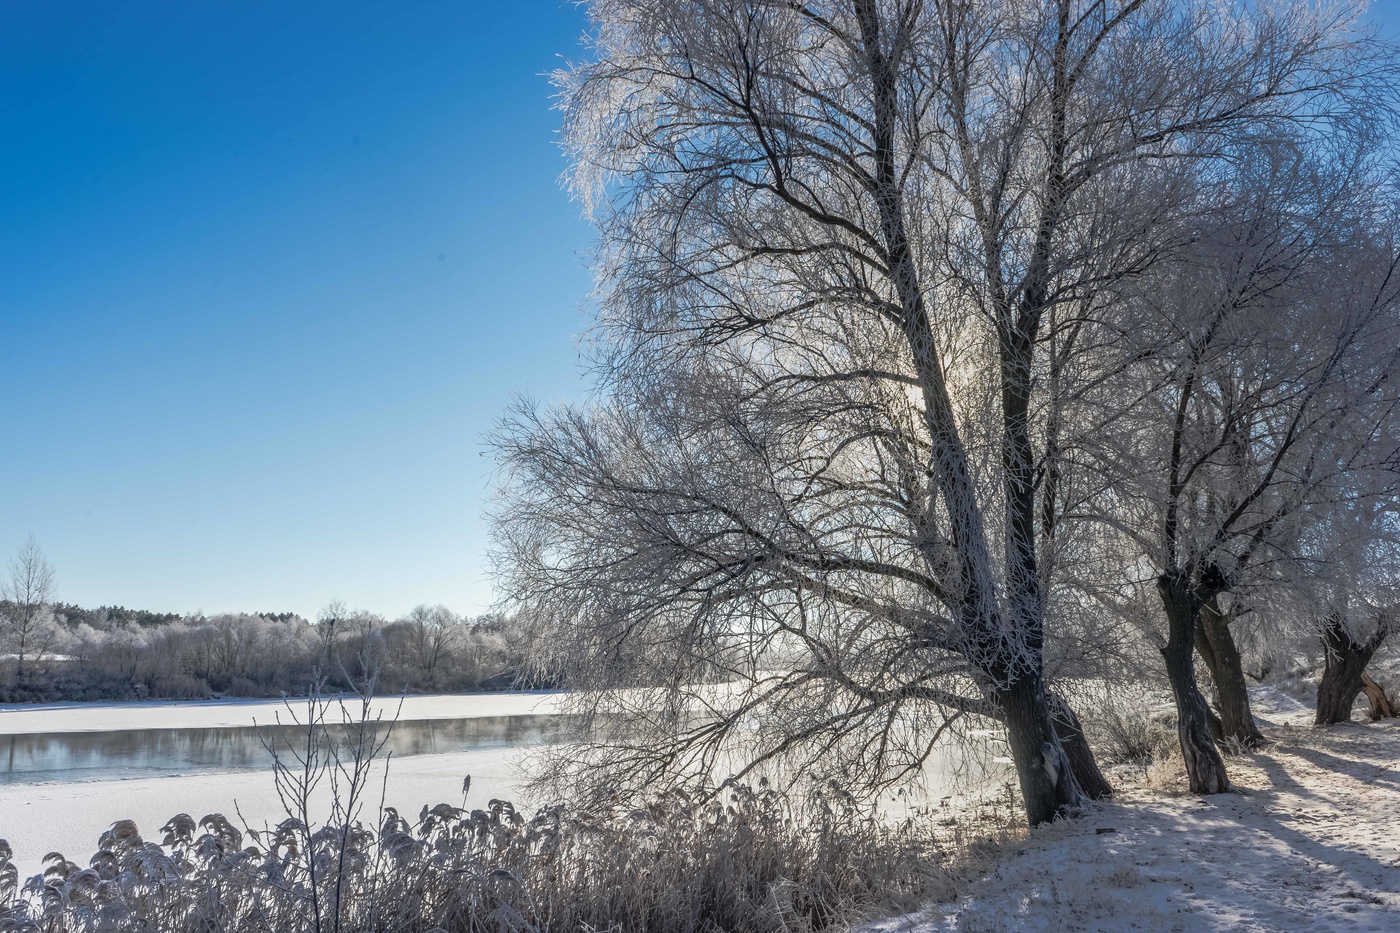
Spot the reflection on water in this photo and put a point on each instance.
(91, 756)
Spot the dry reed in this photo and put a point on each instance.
(740, 859)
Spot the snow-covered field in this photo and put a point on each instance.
(68, 816)
(1310, 842)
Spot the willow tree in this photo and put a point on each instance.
(1358, 605)
(1346, 591)
(1271, 386)
(835, 241)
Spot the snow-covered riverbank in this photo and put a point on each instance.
(68, 815)
(1311, 841)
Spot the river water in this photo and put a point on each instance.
(68, 771)
(139, 753)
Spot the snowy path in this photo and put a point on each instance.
(1311, 842)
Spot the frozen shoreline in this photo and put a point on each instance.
(21, 719)
(68, 817)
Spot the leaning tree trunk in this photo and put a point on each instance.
(1205, 769)
(1046, 775)
(1381, 707)
(1081, 756)
(1216, 645)
(1344, 665)
(1207, 653)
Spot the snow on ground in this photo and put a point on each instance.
(68, 817)
(213, 714)
(1310, 841)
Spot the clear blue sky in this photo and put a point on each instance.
(268, 272)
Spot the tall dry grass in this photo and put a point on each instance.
(749, 859)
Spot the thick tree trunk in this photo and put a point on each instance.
(1205, 769)
(1344, 665)
(1337, 691)
(1081, 756)
(1047, 780)
(1216, 646)
(1381, 707)
(1047, 783)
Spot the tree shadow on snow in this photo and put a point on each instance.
(1354, 866)
(1383, 770)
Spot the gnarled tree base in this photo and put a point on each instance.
(1381, 707)
(1047, 778)
(1344, 667)
(1081, 756)
(1205, 769)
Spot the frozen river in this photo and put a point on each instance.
(67, 771)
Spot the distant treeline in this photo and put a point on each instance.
(114, 653)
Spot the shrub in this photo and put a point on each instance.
(1130, 724)
(1135, 737)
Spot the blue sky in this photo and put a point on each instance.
(268, 272)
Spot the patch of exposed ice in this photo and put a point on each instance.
(68, 817)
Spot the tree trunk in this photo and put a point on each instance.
(1337, 691)
(1047, 779)
(1081, 756)
(1223, 660)
(1217, 728)
(1344, 665)
(1207, 653)
(1381, 707)
(1205, 769)
(1047, 782)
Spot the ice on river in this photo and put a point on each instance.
(67, 816)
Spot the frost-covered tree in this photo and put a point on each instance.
(26, 612)
(434, 634)
(1347, 588)
(1269, 385)
(853, 257)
